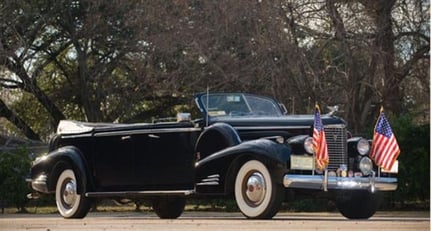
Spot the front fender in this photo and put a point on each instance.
(216, 173)
(56, 161)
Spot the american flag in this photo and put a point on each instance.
(385, 149)
(319, 141)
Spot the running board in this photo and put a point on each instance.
(127, 194)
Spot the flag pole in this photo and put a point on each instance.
(325, 180)
(208, 106)
(314, 151)
(314, 162)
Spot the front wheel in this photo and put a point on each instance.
(168, 207)
(70, 204)
(358, 204)
(256, 193)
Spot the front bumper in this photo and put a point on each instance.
(324, 182)
(39, 184)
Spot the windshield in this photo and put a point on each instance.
(239, 105)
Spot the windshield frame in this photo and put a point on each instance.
(245, 105)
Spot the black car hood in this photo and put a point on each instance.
(286, 120)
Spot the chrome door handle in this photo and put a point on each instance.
(126, 137)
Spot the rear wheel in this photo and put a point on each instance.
(70, 204)
(358, 204)
(256, 193)
(168, 207)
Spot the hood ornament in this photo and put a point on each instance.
(333, 109)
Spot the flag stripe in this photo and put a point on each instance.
(383, 152)
(389, 159)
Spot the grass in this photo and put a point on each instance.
(47, 206)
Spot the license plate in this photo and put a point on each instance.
(394, 168)
(301, 162)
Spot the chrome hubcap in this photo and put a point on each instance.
(69, 192)
(255, 190)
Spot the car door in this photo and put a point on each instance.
(164, 160)
(114, 163)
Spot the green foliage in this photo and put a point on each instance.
(414, 160)
(14, 168)
(28, 108)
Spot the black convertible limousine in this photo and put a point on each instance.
(244, 146)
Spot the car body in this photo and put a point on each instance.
(244, 146)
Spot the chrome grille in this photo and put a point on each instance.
(336, 138)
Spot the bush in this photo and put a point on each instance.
(414, 160)
(15, 166)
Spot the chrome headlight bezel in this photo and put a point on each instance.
(308, 145)
(363, 147)
(366, 166)
(301, 144)
(358, 146)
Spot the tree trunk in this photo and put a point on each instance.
(31, 86)
(354, 87)
(17, 121)
(89, 100)
(380, 11)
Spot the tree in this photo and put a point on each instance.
(103, 61)
(21, 30)
(70, 53)
(360, 61)
(101, 35)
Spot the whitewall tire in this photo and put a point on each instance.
(70, 204)
(256, 193)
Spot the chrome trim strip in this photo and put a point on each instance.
(147, 131)
(335, 126)
(214, 176)
(349, 183)
(208, 183)
(139, 193)
(286, 127)
(272, 128)
(207, 180)
(67, 136)
(210, 180)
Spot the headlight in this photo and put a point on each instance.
(363, 146)
(366, 166)
(308, 145)
(358, 146)
(301, 144)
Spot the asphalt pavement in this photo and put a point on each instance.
(414, 220)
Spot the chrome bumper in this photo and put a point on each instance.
(325, 182)
(40, 184)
